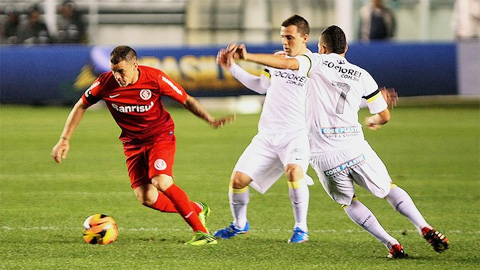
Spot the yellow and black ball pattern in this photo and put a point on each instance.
(100, 229)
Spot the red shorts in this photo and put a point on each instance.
(147, 161)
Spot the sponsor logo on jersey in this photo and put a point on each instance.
(132, 108)
(346, 73)
(341, 130)
(145, 94)
(290, 77)
(349, 164)
(114, 96)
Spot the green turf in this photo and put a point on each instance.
(433, 152)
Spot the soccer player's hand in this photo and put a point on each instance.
(60, 150)
(371, 124)
(224, 60)
(237, 51)
(390, 96)
(220, 122)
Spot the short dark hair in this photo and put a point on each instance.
(334, 39)
(121, 53)
(299, 22)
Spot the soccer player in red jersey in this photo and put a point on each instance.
(133, 94)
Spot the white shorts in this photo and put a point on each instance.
(266, 156)
(339, 171)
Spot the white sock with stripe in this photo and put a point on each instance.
(239, 199)
(299, 197)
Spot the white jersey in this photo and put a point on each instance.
(335, 90)
(284, 106)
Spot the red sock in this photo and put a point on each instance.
(164, 204)
(180, 199)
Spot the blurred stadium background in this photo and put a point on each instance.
(182, 37)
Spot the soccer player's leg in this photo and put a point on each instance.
(239, 196)
(258, 167)
(403, 203)
(367, 174)
(160, 160)
(299, 197)
(364, 218)
(339, 185)
(296, 156)
(380, 184)
(180, 199)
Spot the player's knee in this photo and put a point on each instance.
(145, 198)
(239, 180)
(162, 182)
(293, 172)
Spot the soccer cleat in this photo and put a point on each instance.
(397, 252)
(231, 231)
(438, 241)
(204, 214)
(298, 236)
(200, 239)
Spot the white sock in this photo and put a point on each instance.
(239, 199)
(299, 196)
(403, 203)
(362, 216)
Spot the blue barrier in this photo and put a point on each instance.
(59, 74)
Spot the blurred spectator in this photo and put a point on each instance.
(377, 22)
(33, 30)
(466, 19)
(10, 26)
(71, 26)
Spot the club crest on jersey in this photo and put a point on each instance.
(160, 164)
(145, 94)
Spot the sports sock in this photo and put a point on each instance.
(239, 199)
(164, 204)
(403, 203)
(183, 206)
(299, 197)
(364, 218)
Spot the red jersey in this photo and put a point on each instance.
(137, 108)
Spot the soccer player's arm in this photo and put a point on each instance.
(196, 108)
(89, 98)
(378, 108)
(276, 61)
(258, 84)
(376, 103)
(390, 96)
(62, 147)
(252, 82)
(175, 91)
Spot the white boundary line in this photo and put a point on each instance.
(154, 229)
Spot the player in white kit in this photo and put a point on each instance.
(340, 155)
(281, 144)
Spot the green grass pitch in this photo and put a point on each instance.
(433, 152)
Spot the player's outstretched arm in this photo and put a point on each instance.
(62, 147)
(276, 61)
(375, 121)
(250, 81)
(194, 106)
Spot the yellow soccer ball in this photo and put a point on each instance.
(100, 229)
